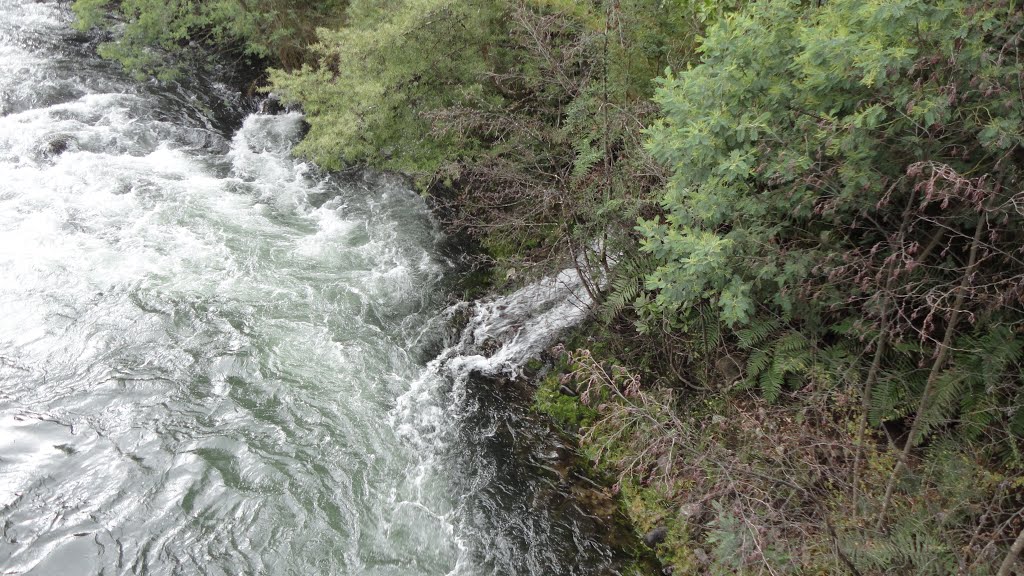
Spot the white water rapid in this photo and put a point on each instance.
(215, 359)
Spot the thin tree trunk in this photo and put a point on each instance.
(936, 370)
(876, 362)
(869, 384)
(1012, 555)
(605, 104)
(585, 277)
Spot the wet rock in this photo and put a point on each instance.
(489, 347)
(457, 322)
(55, 146)
(272, 106)
(67, 449)
(656, 536)
(554, 453)
(58, 145)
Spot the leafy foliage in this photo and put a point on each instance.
(788, 357)
(845, 181)
(374, 79)
(523, 115)
(803, 140)
(565, 410)
(160, 37)
(625, 285)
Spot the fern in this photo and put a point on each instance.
(895, 393)
(949, 387)
(976, 415)
(986, 395)
(899, 384)
(586, 157)
(758, 362)
(757, 333)
(1016, 426)
(910, 548)
(777, 361)
(771, 383)
(710, 327)
(884, 401)
(792, 342)
(1010, 453)
(624, 291)
(625, 285)
(975, 396)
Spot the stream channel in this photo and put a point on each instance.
(215, 359)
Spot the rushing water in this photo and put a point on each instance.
(214, 360)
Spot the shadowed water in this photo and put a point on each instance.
(215, 360)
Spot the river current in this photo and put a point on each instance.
(216, 360)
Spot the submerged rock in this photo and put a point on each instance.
(55, 146)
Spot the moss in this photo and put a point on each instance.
(475, 283)
(534, 365)
(649, 507)
(567, 411)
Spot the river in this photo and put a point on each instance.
(215, 359)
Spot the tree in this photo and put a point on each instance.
(161, 37)
(374, 79)
(829, 166)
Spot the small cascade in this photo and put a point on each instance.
(493, 337)
(517, 507)
(503, 333)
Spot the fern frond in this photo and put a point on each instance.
(757, 333)
(910, 548)
(626, 284)
(888, 398)
(976, 414)
(587, 156)
(771, 383)
(792, 343)
(949, 387)
(710, 328)
(1016, 426)
(757, 362)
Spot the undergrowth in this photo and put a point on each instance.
(744, 485)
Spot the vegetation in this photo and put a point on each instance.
(163, 37)
(515, 108)
(843, 222)
(803, 221)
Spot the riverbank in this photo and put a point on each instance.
(703, 476)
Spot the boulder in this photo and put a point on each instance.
(656, 536)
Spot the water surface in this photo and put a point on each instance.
(216, 360)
